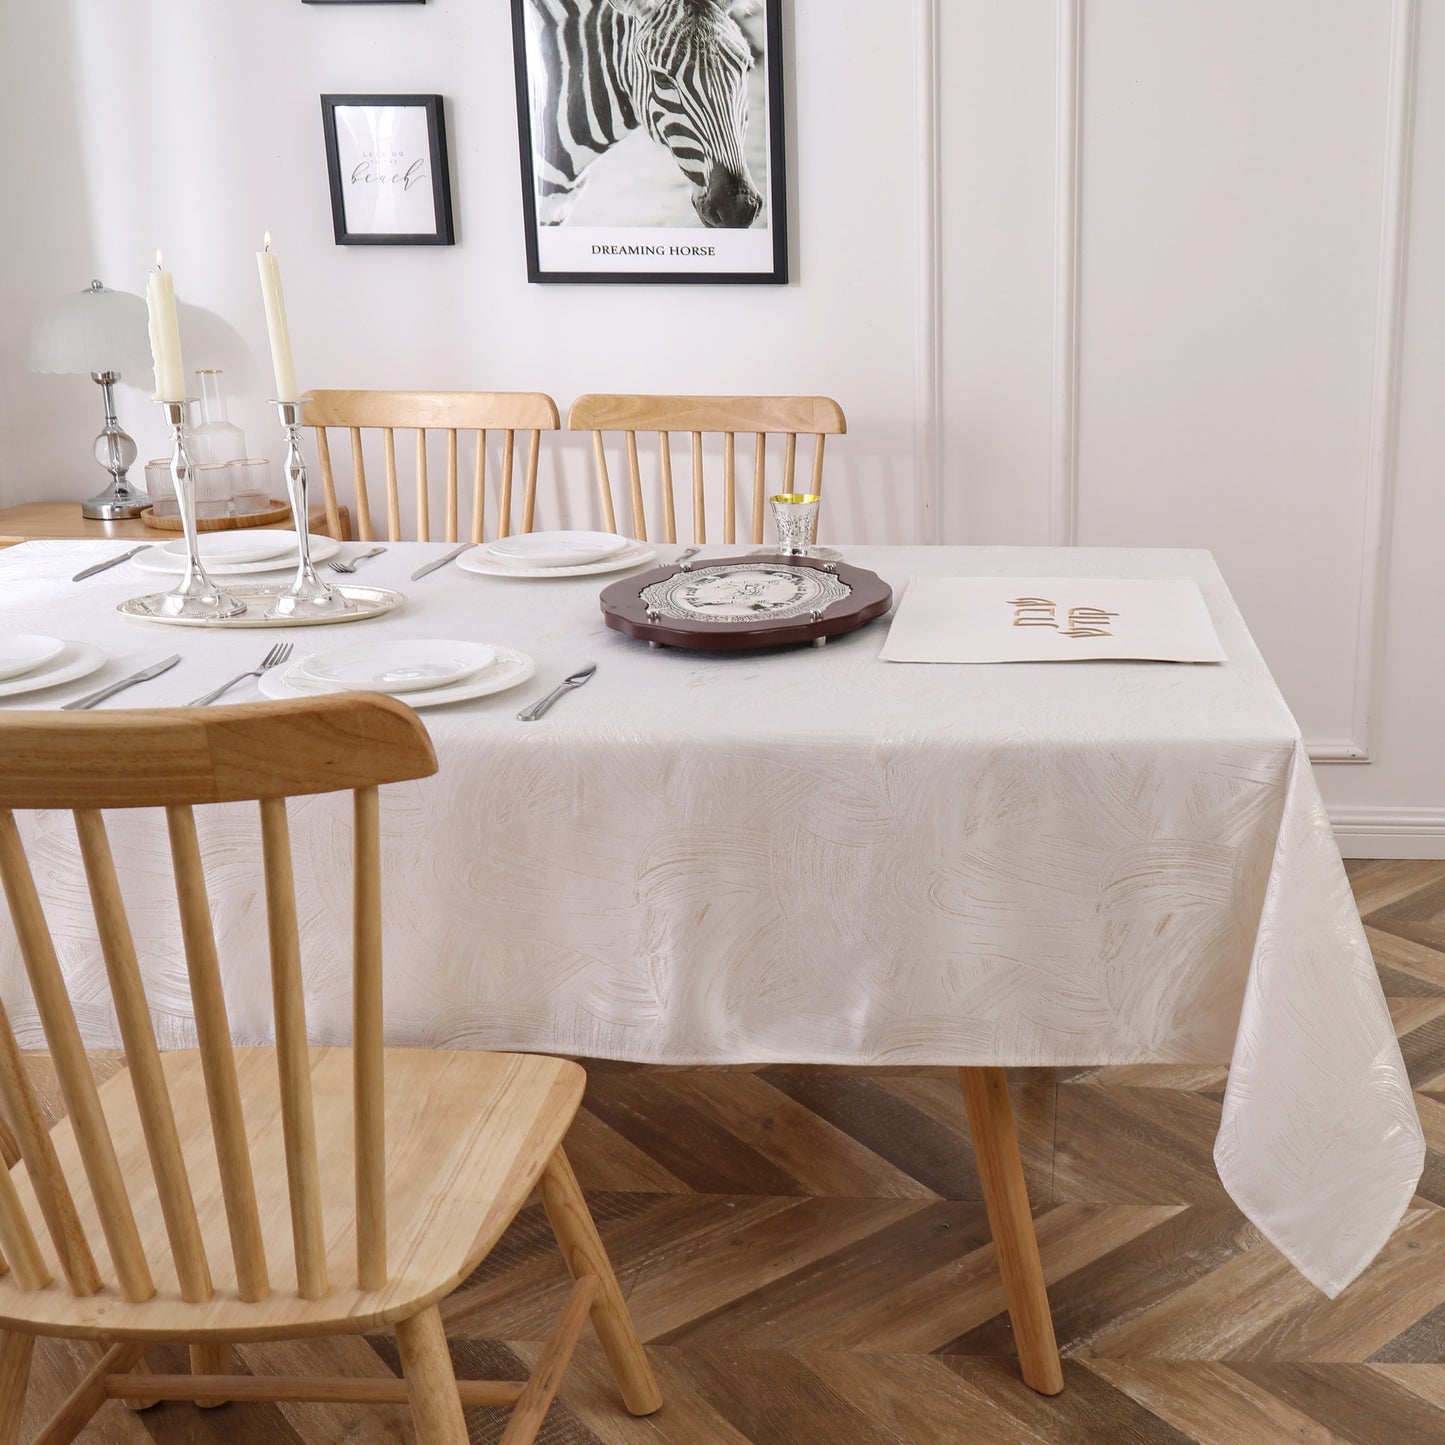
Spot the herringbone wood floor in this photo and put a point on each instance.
(807, 1258)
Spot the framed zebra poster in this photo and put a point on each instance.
(652, 139)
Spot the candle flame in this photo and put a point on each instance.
(266, 242)
(159, 263)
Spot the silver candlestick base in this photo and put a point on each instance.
(308, 595)
(195, 595)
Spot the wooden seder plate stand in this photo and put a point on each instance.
(735, 604)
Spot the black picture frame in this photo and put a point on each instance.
(708, 271)
(343, 171)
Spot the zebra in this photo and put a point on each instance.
(678, 67)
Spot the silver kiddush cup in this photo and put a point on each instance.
(795, 515)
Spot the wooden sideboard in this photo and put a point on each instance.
(61, 521)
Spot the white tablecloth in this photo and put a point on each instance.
(814, 856)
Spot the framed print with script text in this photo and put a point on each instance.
(387, 159)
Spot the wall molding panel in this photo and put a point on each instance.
(1064, 427)
(1379, 499)
(1379, 481)
(1365, 832)
(928, 359)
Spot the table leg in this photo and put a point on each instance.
(1005, 1196)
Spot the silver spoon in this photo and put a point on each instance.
(576, 679)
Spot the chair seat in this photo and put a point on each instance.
(467, 1135)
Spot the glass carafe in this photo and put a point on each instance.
(216, 439)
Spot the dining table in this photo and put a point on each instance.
(802, 854)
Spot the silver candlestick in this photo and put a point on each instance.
(195, 595)
(308, 595)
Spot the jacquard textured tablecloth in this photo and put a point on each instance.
(809, 855)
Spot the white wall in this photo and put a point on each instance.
(1112, 271)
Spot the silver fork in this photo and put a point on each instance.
(337, 565)
(274, 658)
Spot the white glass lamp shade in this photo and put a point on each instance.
(93, 331)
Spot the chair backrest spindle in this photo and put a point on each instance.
(451, 495)
(504, 513)
(137, 1033)
(479, 488)
(218, 1063)
(97, 1151)
(358, 477)
(17, 1239)
(729, 487)
(366, 1039)
(669, 504)
(298, 1116)
(328, 483)
(423, 519)
(699, 514)
(57, 1205)
(760, 484)
(393, 497)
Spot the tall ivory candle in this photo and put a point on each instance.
(165, 335)
(276, 323)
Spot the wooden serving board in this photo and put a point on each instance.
(276, 512)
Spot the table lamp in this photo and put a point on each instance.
(105, 333)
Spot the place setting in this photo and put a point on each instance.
(235, 554)
(565, 553)
(422, 672)
(32, 662)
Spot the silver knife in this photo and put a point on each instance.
(572, 680)
(443, 560)
(144, 675)
(109, 562)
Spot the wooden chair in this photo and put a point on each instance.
(451, 411)
(200, 1170)
(791, 416)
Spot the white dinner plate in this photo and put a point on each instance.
(397, 665)
(25, 651)
(169, 564)
(510, 669)
(238, 546)
(556, 549)
(78, 659)
(635, 555)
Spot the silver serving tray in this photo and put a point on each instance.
(258, 596)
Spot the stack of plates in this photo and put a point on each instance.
(235, 554)
(30, 662)
(556, 554)
(421, 672)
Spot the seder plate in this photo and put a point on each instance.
(258, 596)
(737, 603)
